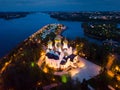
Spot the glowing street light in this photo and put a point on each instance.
(117, 68)
(111, 58)
(45, 70)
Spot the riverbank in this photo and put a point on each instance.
(93, 36)
(101, 30)
(86, 16)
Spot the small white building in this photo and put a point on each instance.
(59, 55)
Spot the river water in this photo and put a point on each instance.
(14, 31)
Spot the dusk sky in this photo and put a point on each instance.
(60, 5)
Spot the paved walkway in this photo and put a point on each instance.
(85, 70)
(88, 71)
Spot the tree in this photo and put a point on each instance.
(22, 76)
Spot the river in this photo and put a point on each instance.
(14, 31)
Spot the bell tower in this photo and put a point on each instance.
(65, 44)
(57, 41)
(50, 44)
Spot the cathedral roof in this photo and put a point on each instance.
(52, 56)
(58, 52)
(65, 58)
(72, 56)
(63, 62)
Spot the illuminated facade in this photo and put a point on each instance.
(59, 55)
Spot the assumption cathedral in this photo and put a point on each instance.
(59, 55)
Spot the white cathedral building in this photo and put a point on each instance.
(59, 55)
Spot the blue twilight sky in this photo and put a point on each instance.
(60, 5)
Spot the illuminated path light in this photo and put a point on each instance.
(111, 58)
(5, 66)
